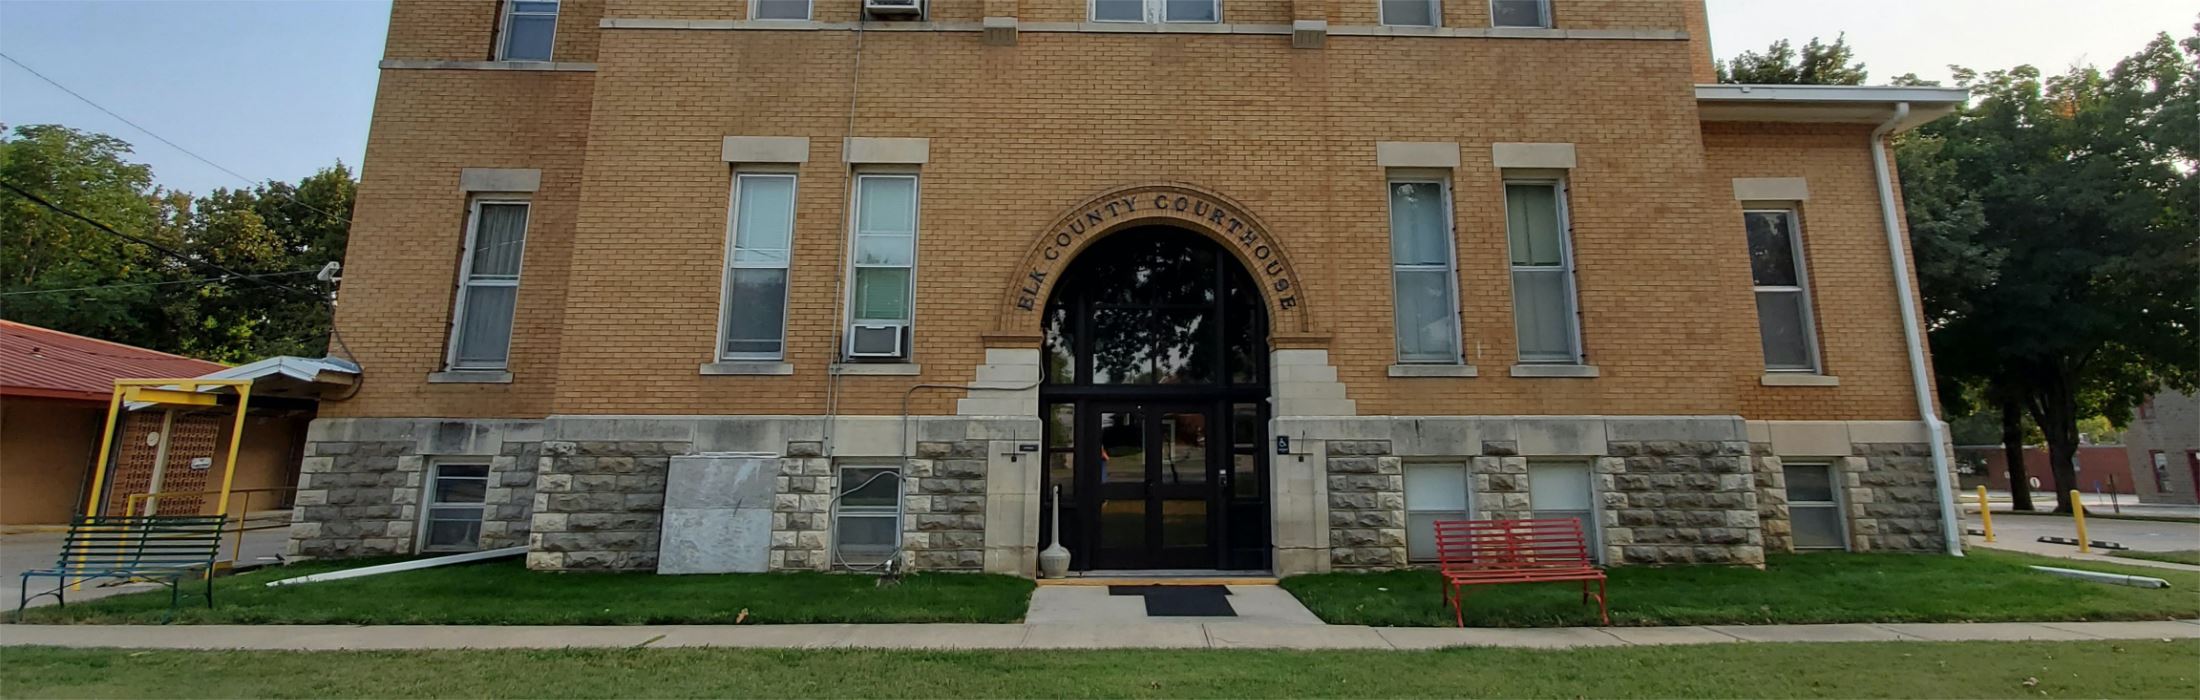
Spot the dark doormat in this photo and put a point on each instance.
(1181, 601)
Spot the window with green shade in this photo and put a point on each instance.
(883, 279)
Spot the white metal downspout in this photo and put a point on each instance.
(1906, 298)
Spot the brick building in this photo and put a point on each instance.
(2164, 446)
(737, 285)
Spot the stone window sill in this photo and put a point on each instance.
(1403, 370)
(1799, 379)
(470, 376)
(731, 368)
(1556, 371)
(888, 369)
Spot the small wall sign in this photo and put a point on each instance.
(201, 463)
(1283, 444)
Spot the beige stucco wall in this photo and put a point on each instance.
(45, 447)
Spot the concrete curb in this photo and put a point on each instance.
(1208, 635)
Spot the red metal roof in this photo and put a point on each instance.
(44, 362)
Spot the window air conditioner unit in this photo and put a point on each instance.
(899, 9)
(874, 341)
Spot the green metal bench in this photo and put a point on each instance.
(159, 548)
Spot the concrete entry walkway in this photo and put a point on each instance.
(1121, 635)
(1094, 605)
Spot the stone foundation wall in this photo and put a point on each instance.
(1887, 496)
(598, 504)
(1659, 501)
(1666, 490)
(1892, 504)
(944, 495)
(1367, 520)
(943, 506)
(361, 482)
(589, 493)
(1679, 502)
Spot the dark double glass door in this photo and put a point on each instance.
(1155, 403)
(1155, 486)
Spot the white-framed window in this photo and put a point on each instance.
(1814, 507)
(530, 30)
(867, 518)
(1424, 271)
(1411, 13)
(454, 506)
(1562, 489)
(1434, 491)
(1520, 13)
(1544, 311)
(488, 286)
(884, 258)
(1783, 290)
(779, 9)
(1155, 11)
(759, 240)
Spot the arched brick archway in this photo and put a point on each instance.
(1190, 207)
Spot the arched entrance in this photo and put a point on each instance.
(1155, 402)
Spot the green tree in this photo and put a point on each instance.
(63, 273)
(2076, 291)
(276, 229)
(42, 250)
(1819, 64)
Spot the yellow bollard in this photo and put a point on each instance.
(1985, 514)
(2077, 513)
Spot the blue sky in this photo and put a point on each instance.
(274, 89)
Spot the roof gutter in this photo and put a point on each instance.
(1913, 334)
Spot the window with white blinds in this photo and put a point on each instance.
(760, 244)
(488, 292)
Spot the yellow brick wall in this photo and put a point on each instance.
(408, 231)
(1851, 280)
(619, 303)
(466, 30)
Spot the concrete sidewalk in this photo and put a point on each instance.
(1212, 635)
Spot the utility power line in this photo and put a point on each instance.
(125, 285)
(171, 144)
(164, 250)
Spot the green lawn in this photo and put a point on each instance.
(2186, 556)
(1792, 588)
(2151, 668)
(506, 593)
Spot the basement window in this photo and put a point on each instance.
(1562, 489)
(456, 504)
(1814, 507)
(1435, 491)
(868, 516)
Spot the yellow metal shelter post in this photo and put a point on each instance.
(168, 393)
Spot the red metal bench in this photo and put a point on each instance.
(1486, 552)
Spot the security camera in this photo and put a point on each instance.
(329, 272)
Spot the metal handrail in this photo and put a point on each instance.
(244, 510)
